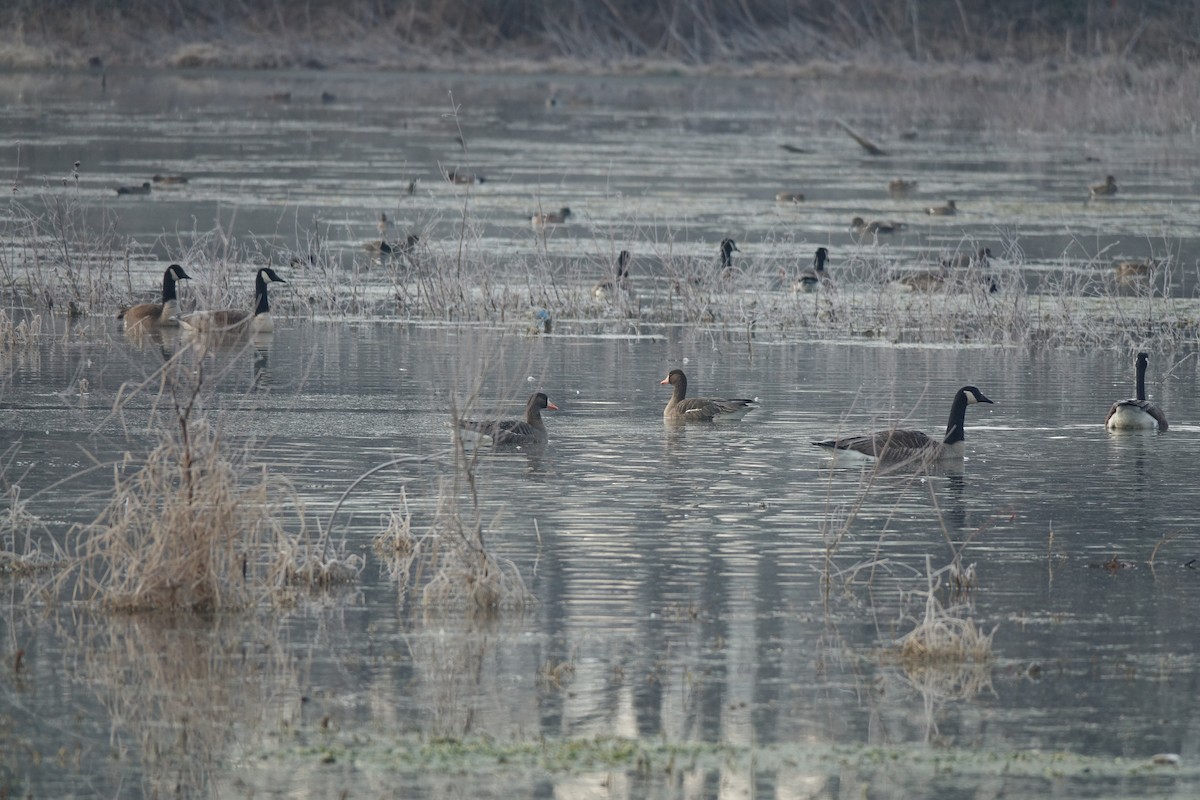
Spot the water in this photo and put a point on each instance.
(679, 573)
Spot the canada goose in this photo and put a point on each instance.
(789, 197)
(861, 227)
(700, 409)
(1137, 413)
(611, 287)
(948, 210)
(728, 247)
(1132, 271)
(152, 315)
(384, 225)
(907, 445)
(814, 276)
(143, 189)
(170, 180)
(551, 217)
(511, 432)
(1106, 189)
(898, 187)
(237, 320)
(464, 178)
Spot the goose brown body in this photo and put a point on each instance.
(154, 315)
(238, 320)
(682, 408)
(512, 432)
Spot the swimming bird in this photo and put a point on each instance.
(464, 178)
(861, 227)
(898, 187)
(143, 189)
(924, 280)
(979, 260)
(385, 249)
(551, 217)
(789, 197)
(153, 315)
(948, 210)
(238, 320)
(511, 432)
(812, 278)
(609, 288)
(1106, 189)
(384, 225)
(1137, 413)
(700, 409)
(899, 445)
(170, 180)
(1131, 271)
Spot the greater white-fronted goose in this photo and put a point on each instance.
(924, 280)
(143, 189)
(154, 315)
(551, 217)
(1133, 271)
(1106, 189)
(511, 432)
(898, 187)
(170, 180)
(948, 210)
(1137, 413)
(899, 445)
(789, 197)
(700, 409)
(609, 288)
(812, 278)
(238, 320)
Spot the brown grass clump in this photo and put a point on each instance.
(943, 636)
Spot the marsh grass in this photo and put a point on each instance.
(942, 635)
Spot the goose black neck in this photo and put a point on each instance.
(168, 287)
(261, 304)
(819, 262)
(958, 417)
(1141, 377)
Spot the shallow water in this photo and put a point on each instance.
(679, 573)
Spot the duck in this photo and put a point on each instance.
(609, 288)
(1106, 189)
(464, 178)
(789, 197)
(861, 227)
(1131, 271)
(812, 278)
(238, 320)
(948, 210)
(898, 445)
(898, 187)
(154, 315)
(1137, 413)
(511, 432)
(700, 409)
(551, 217)
(143, 189)
(727, 249)
(170, 180)
(979, 260)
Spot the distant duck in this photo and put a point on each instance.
(618, 284)
(948, 210)
(789, 197)
(727, 249)
(154, 315)
(811, 279)
(1137, 413)
(170, 180)
(980, 260)
(143, 189)
(861, 227)
(551, 217)
(238, 320)
(464, 178)
(898, 187)
(1133, 271)
(901, 446)
(510, 432)
(1106, 189)
(699, 409)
